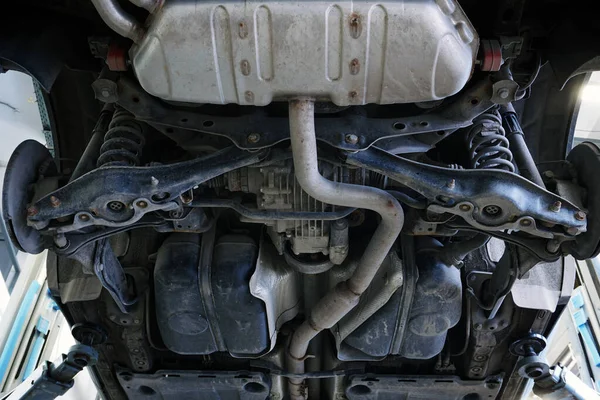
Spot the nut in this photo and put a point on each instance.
(464, 207)
(142, 204)
(572, 231)
(351, 138)
(525, 222)
(556, 206)
(31, 211)
(253, 138)
(54, 201)
(503, 93)
(84, 217)
(580, 216)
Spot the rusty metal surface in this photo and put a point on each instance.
(330, 309)
(348, 52)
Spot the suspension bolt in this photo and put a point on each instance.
(525, 222)
(31, 211)
(555, 207)
(351, 138)
(451, 184)
(580, 216)
(54, 201)
(464, 207)
(253, 138)
(61, 241)
(503, 93)
(84, 217)
(142, 204)
(572, 231)
(548, 174)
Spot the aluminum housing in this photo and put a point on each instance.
(348, 52)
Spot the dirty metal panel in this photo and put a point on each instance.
(401, 387)
(349, 52)
(195, 385)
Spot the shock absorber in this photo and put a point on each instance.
(523, 158)
(123, 141)
(488, 145)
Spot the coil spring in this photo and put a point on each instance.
(123, 141)
(488, 145)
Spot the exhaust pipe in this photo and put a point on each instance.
(118, 20)
(345, 296)
(150, 5)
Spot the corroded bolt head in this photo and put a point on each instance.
(54, 201)
(465, 207)
(31, 211)
(580, 216)
(351, 138)
(84, 217)
(548, 174)
(142, 204)
(572, 230)
(556, 206)
(525, 222)
(253, 138)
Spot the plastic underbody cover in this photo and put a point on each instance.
(349, 52)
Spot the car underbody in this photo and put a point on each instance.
(307, 199)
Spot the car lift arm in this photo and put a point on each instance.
(52, 380)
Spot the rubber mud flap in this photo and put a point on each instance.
(22, 170)
(585, 157)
